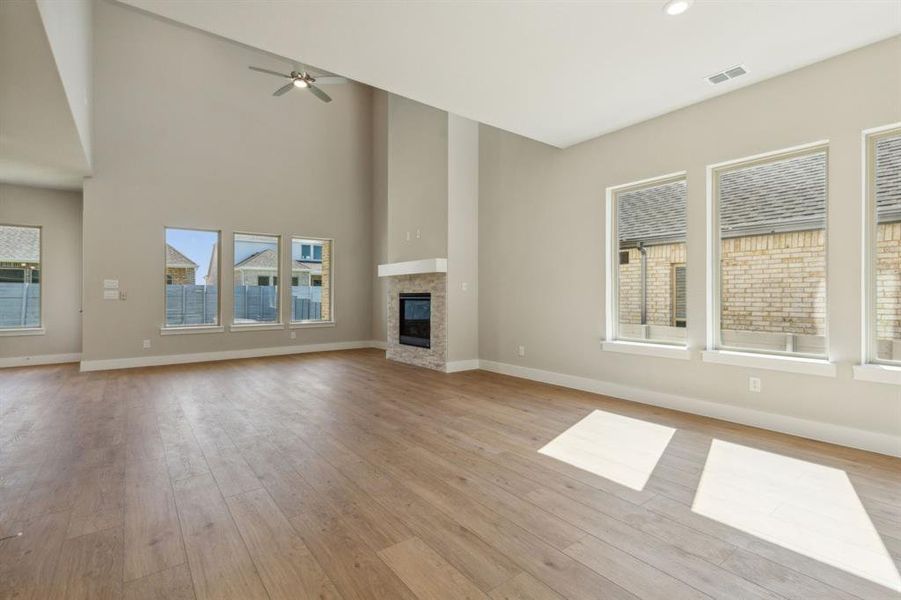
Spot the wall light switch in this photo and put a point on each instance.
(754, 384)
(418, 234)
(408, 236)
(110, 284)
(123, 295)
(110, 294)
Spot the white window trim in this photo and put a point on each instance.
(715, 351)
(647, 349)
(331, 291)
(188, 329)
(611, 266)
(868, 351)
(21, 331)
(874, 373)
(235, 327)
(789, 364)
(39, 330)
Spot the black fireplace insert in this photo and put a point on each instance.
(415, 320)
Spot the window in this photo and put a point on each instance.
(20, 277)
(192, 273)
(311, 277)
(647, 235)
(257, 259)
(884, 245)
(769, 245)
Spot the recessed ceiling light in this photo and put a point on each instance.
(676, 7)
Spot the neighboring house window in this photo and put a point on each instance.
(884, 245)
(646, 228)
(679, 296)
(256, 260)
(770, 254)
(192, 272)
(20, 277)
(311, 280)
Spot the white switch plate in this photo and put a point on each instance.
(465, 286)
(110, 284)
(521, 350)
(293, 335)
(110, 294)
(146, 344)
(754, 384)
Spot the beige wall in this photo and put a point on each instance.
(186, 136)
(379, 227)
(417, 180)
(552, 302)
(58, 213)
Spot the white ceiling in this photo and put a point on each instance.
(39, 143)
(559, 72)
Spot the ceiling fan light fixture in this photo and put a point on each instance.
(300, 83)
(676, 7)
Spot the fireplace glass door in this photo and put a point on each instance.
(415, 320)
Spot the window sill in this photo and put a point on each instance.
(189, 329)
(310, 324)
(22, 331)
(256, 327)
(790, 364)
(878, 373)
(647, 349)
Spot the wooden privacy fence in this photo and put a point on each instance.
(198, 304)
(20, 305)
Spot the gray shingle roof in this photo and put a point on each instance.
(177, 260)
(888, 178)
(788, 195)
(20, 244)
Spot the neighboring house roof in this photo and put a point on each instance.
(888, 178)
(789, 195)
(20, 244)
(177, 260)
(267, 260)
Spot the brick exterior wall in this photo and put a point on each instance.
(180, 276)
(888, 281)
(775, 283)
(660, 261)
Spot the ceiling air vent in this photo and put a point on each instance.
(730, 73)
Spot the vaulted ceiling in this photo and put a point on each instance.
(558, 72)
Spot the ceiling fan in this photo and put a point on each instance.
(301, 79)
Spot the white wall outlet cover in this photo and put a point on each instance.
(465, 286)
(754, 384)
(521, 350)
(293, 335)
(110, 284)
(146, 344)
(110, 294)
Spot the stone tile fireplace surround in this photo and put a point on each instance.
(435, 284)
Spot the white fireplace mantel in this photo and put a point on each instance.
(414, 267)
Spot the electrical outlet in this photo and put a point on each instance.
(754, 384)
(293, 335)
(465, 286)
(418, 234)
(521, 350)
(146, 344)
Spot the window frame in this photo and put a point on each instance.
(39, 329)
(869, 324)
(674, 267)
(309, 322)
(280, 323)
(216, 327)
(612, 258)
(714, 251)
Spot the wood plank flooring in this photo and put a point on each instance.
(345, 476)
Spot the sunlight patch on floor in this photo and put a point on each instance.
(807, 508)
(618, 448)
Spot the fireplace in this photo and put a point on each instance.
(415, 314)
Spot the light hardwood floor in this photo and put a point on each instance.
(343, 475)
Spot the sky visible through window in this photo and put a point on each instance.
(196, 245)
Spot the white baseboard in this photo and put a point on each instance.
(816, 430)
(380, 344)
(40, 359)
(178, 359)
(461, 365)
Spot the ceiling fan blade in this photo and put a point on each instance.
(330, 80)
(284, 89)
(276, 73)
(319, 93)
